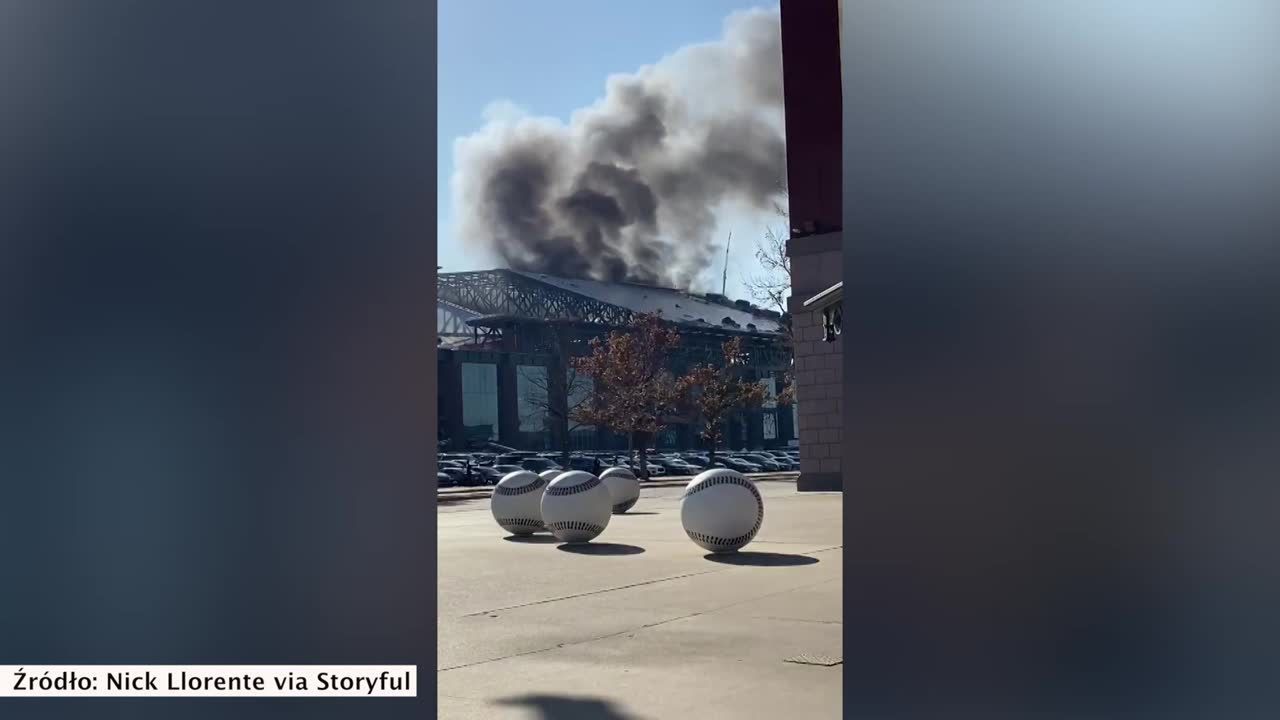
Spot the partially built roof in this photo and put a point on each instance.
(511, 293)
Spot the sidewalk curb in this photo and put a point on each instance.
(475, 493)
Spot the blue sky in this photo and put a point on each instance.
(552, 57)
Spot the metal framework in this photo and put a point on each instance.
(523, 315)
(502, 292)
(451, 320)
(513, 320)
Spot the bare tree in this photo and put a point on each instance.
(557, 400)
(771, 286)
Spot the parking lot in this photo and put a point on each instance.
(476, 469)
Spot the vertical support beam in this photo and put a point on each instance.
(781, 413)
(685, 437)
(449, 384)
(812, 95)
(508, 403)
(755, 429)
(558, 390)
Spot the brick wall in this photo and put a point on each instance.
(819, 396)
(819, 367)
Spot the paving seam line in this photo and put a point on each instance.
(646, 626)
(627, 587)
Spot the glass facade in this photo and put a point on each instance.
(522, 415)
(580, 388)
(532, 397)
(480, 400)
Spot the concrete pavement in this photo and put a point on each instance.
(642, 623)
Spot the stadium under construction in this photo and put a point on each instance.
(506, 337)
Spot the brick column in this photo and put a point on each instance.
(812, 90)
(819, 391)
(816, 266)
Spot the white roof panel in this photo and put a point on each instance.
(675, 305)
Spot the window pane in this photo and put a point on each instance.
(480, 400)
(531, 393)
(580, 388)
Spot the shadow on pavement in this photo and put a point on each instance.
(445, 498)
(557, 707)
(532, 539)
(761, 559)
(601, 549)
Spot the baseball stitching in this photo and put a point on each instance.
(724, 480)
(523, 489)
(575, 525)
(520, 523)
(584, 486)
(741, 539)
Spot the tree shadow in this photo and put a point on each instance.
(557, 707)
(601, 549)
(761, 559)
(540, 539)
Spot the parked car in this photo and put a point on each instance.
(697, 461)
(486, 475)
(764, 461)
(444, 480)
(584, 462)
(655, 470)
(462, 474)
(739, 464)
(790, 462)
(503, 470)
(457, 476)
(676, 466)
(539, 464)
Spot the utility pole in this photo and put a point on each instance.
(724, 279)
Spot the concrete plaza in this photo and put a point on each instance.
(642, 624)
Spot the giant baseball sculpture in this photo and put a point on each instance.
(517, 502)
(547, 476)
(576, 507)
(623, 486)
(721, 510)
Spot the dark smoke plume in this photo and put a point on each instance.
(629, 188)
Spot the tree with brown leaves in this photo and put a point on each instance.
(716, 392)
(632, 393)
